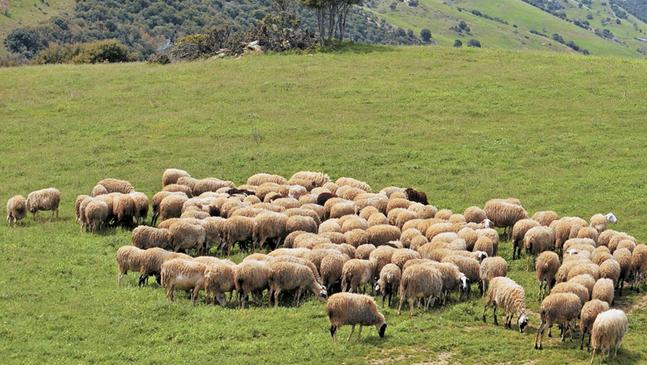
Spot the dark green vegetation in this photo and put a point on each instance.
(465, 125)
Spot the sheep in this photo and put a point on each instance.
(617, 239)
(611, 269)
(504, 214)
(469, 266)
(382, 234)
(117, 186)
(628, 244)
(178, 188)
(518, 233)
(17, 208)
(152, 260)
(210, 184)
(397, 203)
(599, 222)
(238, 229)
(309, 179)
(44, 199)
(389, 190)
(187, 181)
(456, 218)
(128, 259)
(353, 222)
(418, 242)
(452, 279)
(638, 264)
(183, 274)
(286, 203)
(538, 239)
(420, 282)
(367, 211)
(331, 268)
(321, 212)
(261, 178)
(588, 232)
(171, 206)
(470, 237)
(603, 290)
(96, 214)
(185, 236)
(342, 208)
(294, 259)
(389, 281)
(252, 277)
(407, 235)
(474, 214)
(349, 181)
(364, 251)
(316, 255)
(605, 236)
(491, 267)
(303, 212)
(608, 331)
(296, 252)
(171, 175)
(572, 287)
(484, 244)
(382, 255)
(268, 226)
(416, 196)
(504, 292)
(218, 280)
(584, 267)
(310, 240)
(290, 276)
(560, 308)
(123, 209)
(623, 256)
(566, 228)
(402, 255)
(443, 214)
(356, 272)
(546, 217)
(98, 190)
(146, 237)
(590, 312)
(546, 267)
(353, 309)
(585, 280)
(600, 255)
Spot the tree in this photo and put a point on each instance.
(25, 41)
(458, 43)
(425, 35)
(331, 17)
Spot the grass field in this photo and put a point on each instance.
(557, 131)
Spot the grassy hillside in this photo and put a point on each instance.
(29, 12)
(557, 131)
(515, 20)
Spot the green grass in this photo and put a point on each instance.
(440, 15)
(30, 12)
(557, 131)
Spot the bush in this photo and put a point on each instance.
(474, 43)
(458, 43)
(25, 41)
(13, 60)
(425, 35)
(109, 51)
(558, 38)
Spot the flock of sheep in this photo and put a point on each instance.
(335, 239)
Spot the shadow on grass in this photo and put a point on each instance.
(358, 48)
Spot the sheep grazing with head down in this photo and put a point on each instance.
(309, 179)
(545, 217)
(151, 263)
(141, 206)
(128, 259)
(16, 209)
(353, 309)
(96, 215)
(291, 276)
(504, 212)
(44, 199)
(560, 308)
(603, 290)
(356, 272)
(572, 287)
(331, 268)
(474, 214)
(518, 233)
(599, 221)
(146, 237)
(269, 226)
(623, 256)
(608, 331)
(638, 265)
(389, 282)
(186, 236)
(589, 313)
(170, 176)
(546, 267)
(491, 267)
(219, 279)
(262, 178)
(416, 196)
(183, 274)
(117, 186)
(504, 292)
(420, 282)
(252, 277)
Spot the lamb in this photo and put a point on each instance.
(252, 277)
(128, 259)
(238, 229)
(16, 209)
(416, 196)
(171, 206)
(590, 312)
(269, 226)
(474, 214)
(301, 223)
(502, 213)
(491, 267)
(218, 280)
(152, 260)
(546, 217)
(389, 281)
(382, 234)
(186, 236)
(331, 269)
(608, 331)
(420, 282)
(560, 308)
(44, 199)
(96, 214)
(356, 272)
(572, 287)
(146, 237)
(603, 290)
(546, 267)
(290, 276)
(518, 233)
(504, 292)
(353, 309)
(262, 178)
(183, 274)
(170, 176)
(599, 221)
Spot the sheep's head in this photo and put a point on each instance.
(522, 322)
(611, 218)
(464, 283)
(481, 255)
(381, 330)
(377, 287)
(486, 223)
(323, 293)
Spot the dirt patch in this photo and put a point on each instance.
(638, 302)
(443, 358)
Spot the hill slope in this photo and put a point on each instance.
(557, 131)
(514, 24)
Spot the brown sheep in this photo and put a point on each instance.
(170, 176)
(117, 186)
(17, 208)
(546, 267)
(589, 313)
(518, 233)
(546, 217)
(504, 214)
(353, 309)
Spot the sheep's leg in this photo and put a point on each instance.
(496, 322)
(351, 333)
(582, 339)
(400, 305)
(194, 294)
(484, 311)
(593, 357)
(540, 335)
(359, 334)
(333, 333)
(299, 296)
(277, 295)
(411, 307)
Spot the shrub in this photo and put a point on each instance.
(425, 35)
(474, 43)
(109, 51)
(458, 43)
